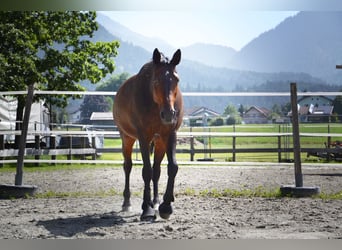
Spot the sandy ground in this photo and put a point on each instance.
(195, 216)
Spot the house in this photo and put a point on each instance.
(39, 117)
(256, 115)
(74, 115)
(199, 116)
(314, 113)
(102, 119)
(314, 109)
(315, 101)
(200, 112)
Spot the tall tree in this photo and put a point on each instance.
(230, 110)
(337, 103)
(93, 103)
(113, 83)
(52, 50)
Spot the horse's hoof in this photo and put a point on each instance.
(149, 214)
(165, 210)
(126, 208)
(156, 204)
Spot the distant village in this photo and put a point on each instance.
(312, 109)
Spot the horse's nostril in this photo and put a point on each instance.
(168, 115)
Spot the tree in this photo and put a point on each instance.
(234, 119)
(230, 110)
(52, 50)
(286, 108)
(337, 103)
(242, 109)
(113, 83)
(276, 108)
(93, 103)
(233, 115)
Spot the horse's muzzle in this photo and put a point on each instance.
(168, 116)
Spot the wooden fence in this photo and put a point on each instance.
(89, 149)
(52, 151)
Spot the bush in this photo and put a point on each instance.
(217, 122)
(232, 120)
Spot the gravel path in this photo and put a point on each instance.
(195, 216)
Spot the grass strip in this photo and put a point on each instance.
(258, 192)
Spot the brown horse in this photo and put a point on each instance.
(149, 107)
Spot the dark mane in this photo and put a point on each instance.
(146, 69)
(164, 59)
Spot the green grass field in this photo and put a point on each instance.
(246, 142)
(227, 142)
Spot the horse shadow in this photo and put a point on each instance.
(325, 174)
(68, 227)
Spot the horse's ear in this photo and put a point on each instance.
(176, 57)
(156, 56)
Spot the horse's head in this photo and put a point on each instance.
(165, 85)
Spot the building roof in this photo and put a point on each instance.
(264, 111)
(101, 116)
(309, 97)
(314, 110)
(200, 111)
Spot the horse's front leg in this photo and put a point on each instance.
(159, 152)
(165, 209)
(147, 206)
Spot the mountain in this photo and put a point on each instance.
(209, 54)
(309, 42)
(196, 76)
(129, 36)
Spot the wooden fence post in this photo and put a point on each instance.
(83, 143)
(234, 147)
(69, 156)
(296, 138)
(36, 145)
(2, 147)
(93, 143)
(279, 148)
(192, 148)
(328, 143)
(53, 146)
(298, 189)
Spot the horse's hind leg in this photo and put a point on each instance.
(127, 146)
(165, 209)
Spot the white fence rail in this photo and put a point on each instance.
(109, 93)
(93, 151)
